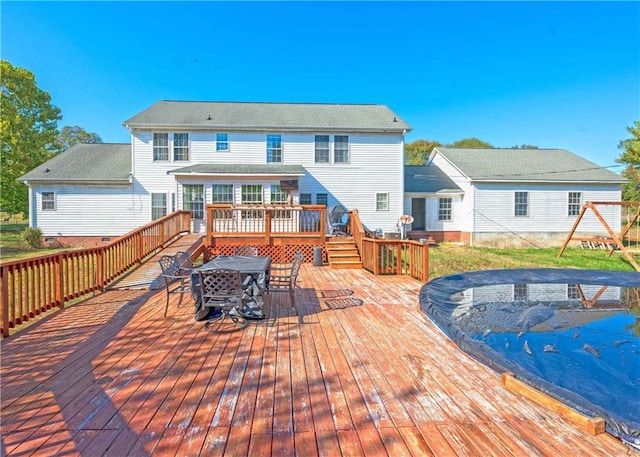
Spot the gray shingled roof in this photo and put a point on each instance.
(530, 165)
(81, 163)
(317, 117)
(427, 179)
(269, 169)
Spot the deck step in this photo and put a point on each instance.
(342, 253)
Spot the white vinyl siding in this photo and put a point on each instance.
(113, 211)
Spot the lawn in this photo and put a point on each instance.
(448, 258)
(11, 245)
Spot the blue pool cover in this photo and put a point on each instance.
(573, 334)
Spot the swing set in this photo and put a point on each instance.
(630, 234)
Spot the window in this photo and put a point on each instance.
(274, 149)
(341, 149)
(222, 193)
(280, 196)
(180, 146)
(322, 148)
(48, 201)
(520, 291)
(222, 141)
(251, 195)
(521, 204)
(160, 146)
(158, 206)
(305, 199)
(382, 202)
(572, 292)
(193, 200)
(575, 203)
(321, 199)
(444, 208)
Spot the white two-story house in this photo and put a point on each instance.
(184, 155)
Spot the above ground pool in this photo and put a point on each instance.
(573, 334)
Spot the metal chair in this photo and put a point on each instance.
(176, 270)
(282, 278)
(249, 251)
(223, 290)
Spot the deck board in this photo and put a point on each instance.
(360, 371)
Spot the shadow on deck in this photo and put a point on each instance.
(361, 372)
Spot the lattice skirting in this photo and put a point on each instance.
(278, 254)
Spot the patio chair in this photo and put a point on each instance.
(249, 251)
(283, 277)
(176, 270)
(222, 289)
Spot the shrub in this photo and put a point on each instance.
(33, 237)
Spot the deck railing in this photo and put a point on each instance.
(382, 257)
(31, 286)
(268, 221)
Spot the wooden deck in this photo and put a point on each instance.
(360, 372)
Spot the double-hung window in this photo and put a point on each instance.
(48, 201)
(305, 199)
(321, 199)
(160, 146)
(280, 196)
(521, 204)
(341, 149)
(222, 193)
(520, 291)
(445, 205)
(222, 141)
(251, 195)
(193, 200)
(575, 203)
(180, 147)
(322, 148)
(382, 202)
(158, 206)
(274, 149)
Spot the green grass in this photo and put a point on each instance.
(447, 258)
(11, 245)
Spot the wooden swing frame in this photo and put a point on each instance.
(614, 239)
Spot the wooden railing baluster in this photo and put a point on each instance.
(31, 286)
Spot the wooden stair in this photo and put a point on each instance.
(343, 253)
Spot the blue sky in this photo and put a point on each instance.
(552, 74)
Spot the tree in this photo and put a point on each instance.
(631, 156)
(69, 136)
(28, 130)
(417, 152)
(470, 143)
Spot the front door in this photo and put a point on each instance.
(418, 212)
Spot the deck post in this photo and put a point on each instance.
(59, 284)
(4, 300)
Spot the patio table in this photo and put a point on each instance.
(255, 267)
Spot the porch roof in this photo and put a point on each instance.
(269, 169)
(428, 179)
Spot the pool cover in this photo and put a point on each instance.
(569, 333)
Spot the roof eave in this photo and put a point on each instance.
(262, 128)
(256, 175)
